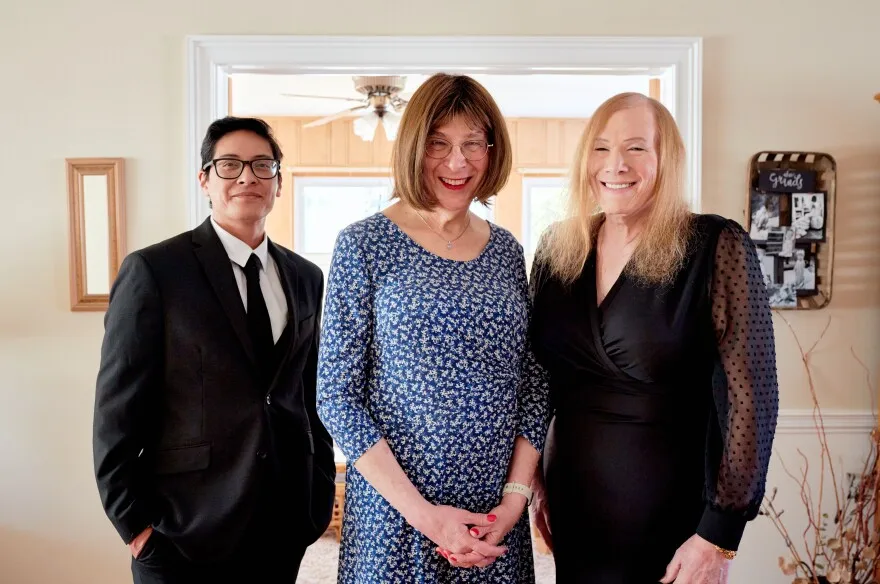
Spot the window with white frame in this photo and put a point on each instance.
(324, 205)
(543, 203)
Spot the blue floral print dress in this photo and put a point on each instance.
(432, 355)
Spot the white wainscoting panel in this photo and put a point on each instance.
(848, 438)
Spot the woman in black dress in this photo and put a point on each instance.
(654, 326)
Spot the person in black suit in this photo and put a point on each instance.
(210, 459)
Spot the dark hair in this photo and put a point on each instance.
(229, 124)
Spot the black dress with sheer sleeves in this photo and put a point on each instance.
(665, 402)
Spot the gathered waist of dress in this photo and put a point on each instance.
(626, 402)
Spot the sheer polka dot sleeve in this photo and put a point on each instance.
(746, 393)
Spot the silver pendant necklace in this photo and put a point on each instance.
(449, 242)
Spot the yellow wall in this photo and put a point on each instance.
(106, 78)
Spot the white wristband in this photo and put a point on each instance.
(518, 488)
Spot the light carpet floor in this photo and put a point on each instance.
(322, 557)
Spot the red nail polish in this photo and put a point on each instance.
(474, 532)
(453, 558)
(491, 518)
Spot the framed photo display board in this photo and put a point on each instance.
(790, 217)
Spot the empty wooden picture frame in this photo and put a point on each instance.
(96, 203)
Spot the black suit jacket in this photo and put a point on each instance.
(186, 435)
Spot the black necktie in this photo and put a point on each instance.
(259, 325)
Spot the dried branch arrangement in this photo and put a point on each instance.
(840, 544)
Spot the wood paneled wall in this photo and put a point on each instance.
(542, 146)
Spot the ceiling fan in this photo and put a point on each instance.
(381, 103)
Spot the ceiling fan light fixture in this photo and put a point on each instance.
(365, 126)
(381, 104)
(391, 123)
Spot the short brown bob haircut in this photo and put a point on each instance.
(436, 102)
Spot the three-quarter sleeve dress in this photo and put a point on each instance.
(665, 401)
(432, 355)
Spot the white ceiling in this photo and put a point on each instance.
(541, 96)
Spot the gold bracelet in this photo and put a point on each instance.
(728, 554)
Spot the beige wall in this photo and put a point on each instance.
(106, 78)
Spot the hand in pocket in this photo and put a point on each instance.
(137, 544)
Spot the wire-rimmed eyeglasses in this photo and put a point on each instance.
(472, 149)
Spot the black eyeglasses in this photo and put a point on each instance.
(472, 149)
(231, 168)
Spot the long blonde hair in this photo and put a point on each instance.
(663, 242)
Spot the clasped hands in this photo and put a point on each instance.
(468, 539)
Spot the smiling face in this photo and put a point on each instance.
(453, 179)
(623, 162)
(246, 199)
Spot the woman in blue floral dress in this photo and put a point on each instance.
(426, 381)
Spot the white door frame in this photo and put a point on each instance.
(210, 60)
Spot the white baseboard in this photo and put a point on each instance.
(792, 421)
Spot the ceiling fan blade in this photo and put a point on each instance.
(336, 97)
(336, 116)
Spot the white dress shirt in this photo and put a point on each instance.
(270, 279)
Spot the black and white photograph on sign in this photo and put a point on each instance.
(780, 294)
(767, 212)
(808, 216)
(788, 241)
(799, 271)
(780, 241)
(768, 266)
